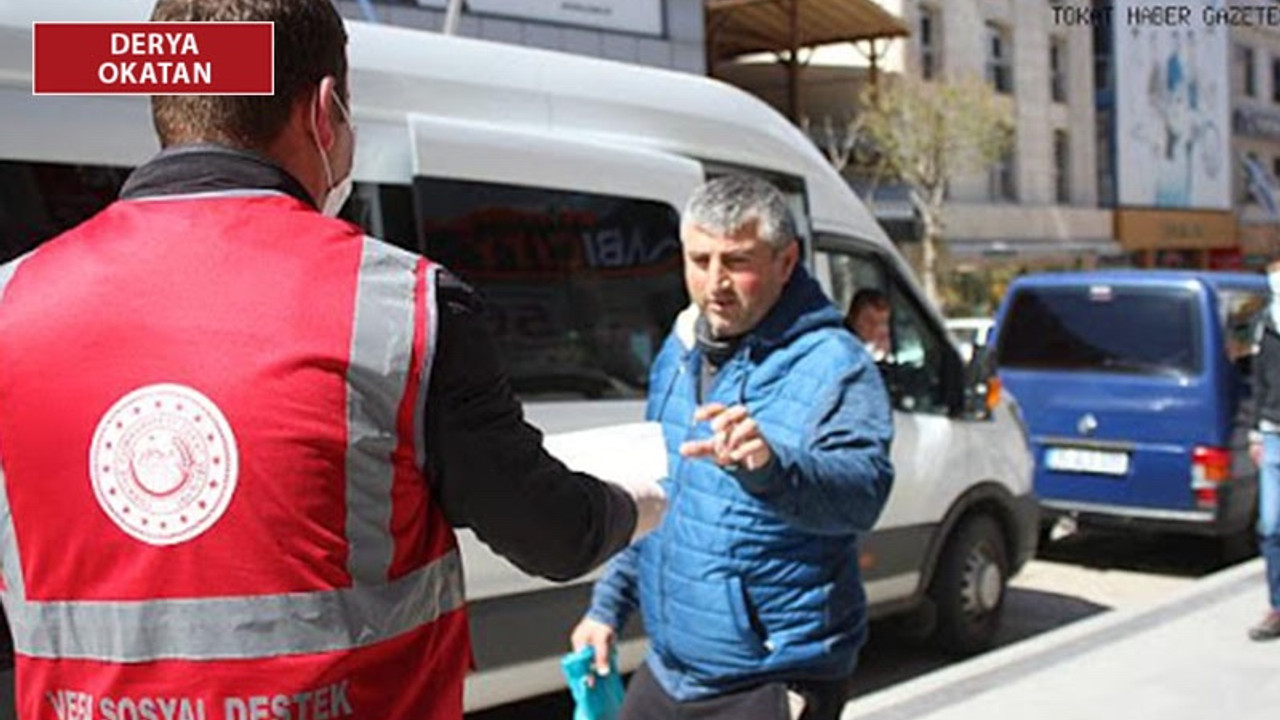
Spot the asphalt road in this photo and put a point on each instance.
(1071, 579)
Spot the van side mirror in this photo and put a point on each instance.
(981, 386)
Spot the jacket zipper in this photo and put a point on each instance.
(682, 370)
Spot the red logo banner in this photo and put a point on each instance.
(203, 58)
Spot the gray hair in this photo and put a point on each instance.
(729, 203)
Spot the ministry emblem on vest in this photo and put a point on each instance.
(164, 463)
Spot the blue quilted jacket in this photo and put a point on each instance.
(753, 577)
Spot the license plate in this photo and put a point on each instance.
(1083, 460)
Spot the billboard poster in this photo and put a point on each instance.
(1172, 108)
(643, 17)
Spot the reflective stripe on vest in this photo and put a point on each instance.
(381, 346)
(372, 610)
(8, 539)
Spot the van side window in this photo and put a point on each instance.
(38, 201)
(384, 211)
(581, 288)
(916, 380)
(850, 273)
(913, 369)
(792, 188)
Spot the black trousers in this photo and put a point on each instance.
(646, 700)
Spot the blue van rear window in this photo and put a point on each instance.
(1102, 328)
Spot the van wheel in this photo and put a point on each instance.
(969, 586)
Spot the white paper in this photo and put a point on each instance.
(629, 455)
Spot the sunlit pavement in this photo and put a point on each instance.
(1183, 657)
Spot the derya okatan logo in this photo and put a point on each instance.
(204, 58)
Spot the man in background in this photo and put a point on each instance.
(869, 318)
(1264, 448)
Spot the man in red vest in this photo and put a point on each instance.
(235, 432)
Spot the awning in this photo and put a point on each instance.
(743, 27)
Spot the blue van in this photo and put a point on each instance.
(1133, 386)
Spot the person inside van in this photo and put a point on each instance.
(778, 427)
(1264, 448)
(869, 317)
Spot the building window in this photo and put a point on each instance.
(1002, 185)
(1102, 42)
(1246, 193)
(1275, 79)
(999, 58)
(1275, 167)
(930, 47)
(1247, 74)
(1058, 69)
(1105, 160)
(1062, 167)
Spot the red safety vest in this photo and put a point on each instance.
(213, 505)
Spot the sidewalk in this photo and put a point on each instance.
(1184, 658)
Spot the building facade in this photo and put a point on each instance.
(1255, 128)
(1036, 208)
(659, 33)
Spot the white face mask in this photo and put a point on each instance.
(337, 196)
(338, 192)
(1273, 281)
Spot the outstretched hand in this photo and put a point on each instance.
(736, 439)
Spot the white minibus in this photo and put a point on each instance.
(552, 183)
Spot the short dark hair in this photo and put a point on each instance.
(310, 43)
(868, 297)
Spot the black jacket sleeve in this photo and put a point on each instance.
(1251, 405)
(487, 465)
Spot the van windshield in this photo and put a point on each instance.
(1102, 328)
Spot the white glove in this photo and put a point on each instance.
(651, 504)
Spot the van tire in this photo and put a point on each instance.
(970, 586)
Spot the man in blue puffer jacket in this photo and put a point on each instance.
(777, 428)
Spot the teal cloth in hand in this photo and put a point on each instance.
(602, 698)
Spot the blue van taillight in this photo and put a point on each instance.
(1210, 467)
